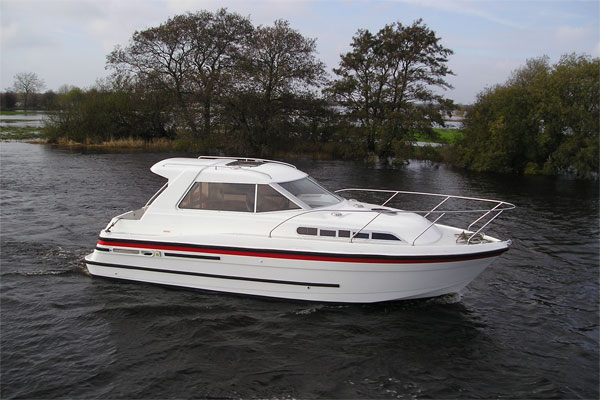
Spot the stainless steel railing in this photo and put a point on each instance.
(484, 215)
(497, 208)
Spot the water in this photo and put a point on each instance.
(28, 120)
(526, 328)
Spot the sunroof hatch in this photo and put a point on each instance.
(246, 163)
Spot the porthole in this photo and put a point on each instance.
(326, 232)
(383, 236)
(361, 235)
(302, 230)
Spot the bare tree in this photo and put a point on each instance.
(190, 56)
(26, 84)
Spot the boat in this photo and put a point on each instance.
(262, 227)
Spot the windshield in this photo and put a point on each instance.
(311, 193)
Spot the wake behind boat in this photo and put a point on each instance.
(262, 227)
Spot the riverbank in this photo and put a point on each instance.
(431, 151)
(29, 126)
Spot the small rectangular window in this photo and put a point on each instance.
(326, 232)
(345, 234)
(302, 230)
(383, 236)
(361, 235)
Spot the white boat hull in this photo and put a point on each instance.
(264, 228)
(323, 277)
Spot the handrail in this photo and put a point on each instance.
(483, 216)
(235, 167)
(155, 195)
(367, 224)
(422, 193)
(497, 209)
(245, 159)
(484, 225)
(436, 207)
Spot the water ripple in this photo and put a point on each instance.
(526, 328)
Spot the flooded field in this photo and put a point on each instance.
(19, 125)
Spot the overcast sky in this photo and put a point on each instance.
(66, 41)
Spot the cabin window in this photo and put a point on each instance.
(383, 236)
(220, 197)
(302, 230)
(269, 199)
(311, 193)
(327, 232)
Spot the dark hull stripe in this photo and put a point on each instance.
(298, 255)
(215, 258)
(235, 278)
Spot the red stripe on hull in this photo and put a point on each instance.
(306, 257)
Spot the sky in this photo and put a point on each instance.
(65, 42)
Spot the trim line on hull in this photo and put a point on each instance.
(236, 278)
(298, 255)
(214, 258)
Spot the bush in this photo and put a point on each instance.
(544, 119)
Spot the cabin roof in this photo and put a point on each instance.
(231, 170)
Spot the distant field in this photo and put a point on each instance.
(20, 112)
(16, 113)
(447, 136)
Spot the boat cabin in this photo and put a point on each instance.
(244, 185)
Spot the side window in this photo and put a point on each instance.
(219, 196)
(269, 199)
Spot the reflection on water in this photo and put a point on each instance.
(526, 328)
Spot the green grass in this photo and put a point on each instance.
(12, 121)
(19, 133)
(449, 135)
(18, 112)
(446, 136)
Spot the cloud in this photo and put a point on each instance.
(577, 39)
(118, 20)
(475, 9)
(9, 32)
(66, 41)
(568, 33)
(262, 12)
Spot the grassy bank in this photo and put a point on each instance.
(19, 112)
(224, 144)
(19, 133)
(120, 144)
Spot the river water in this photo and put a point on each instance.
(526, 328)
